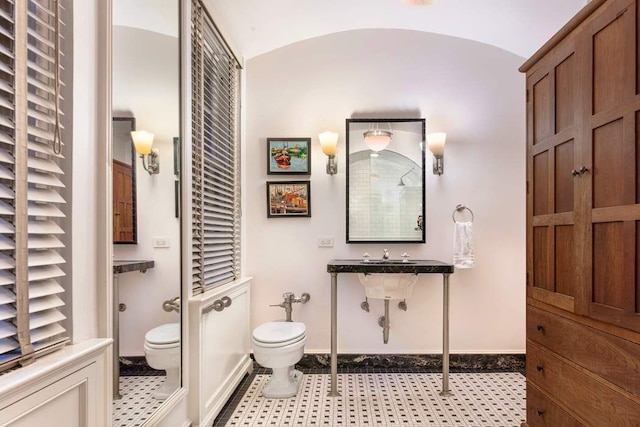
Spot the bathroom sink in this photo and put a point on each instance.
(384, 261)
(388, 285)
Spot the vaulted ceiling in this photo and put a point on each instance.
(518, 26)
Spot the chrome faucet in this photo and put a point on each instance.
(385, 255)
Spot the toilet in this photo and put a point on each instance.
(279, 346)
(162, 351)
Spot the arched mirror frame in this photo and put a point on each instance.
(351, 147)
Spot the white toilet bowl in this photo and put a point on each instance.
(279, 346)
(162, 351)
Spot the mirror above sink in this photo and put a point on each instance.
(385, 180)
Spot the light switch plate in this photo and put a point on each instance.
(325, 242)
(161, 242)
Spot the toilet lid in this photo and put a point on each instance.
(275, 332)
(164, 334)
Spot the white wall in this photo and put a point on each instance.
(470, 90)
(146, 86)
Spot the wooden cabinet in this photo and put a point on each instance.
(583, 220)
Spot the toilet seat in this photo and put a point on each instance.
(278, 334)
(163, 336)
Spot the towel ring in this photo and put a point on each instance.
(461, 208)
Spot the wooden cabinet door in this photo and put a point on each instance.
(551, 152)
(122, 203)
(610, 190)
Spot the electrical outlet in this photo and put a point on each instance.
(160, 242)
(325, 242)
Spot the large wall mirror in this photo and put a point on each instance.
(124, 182)
(147, 286)
(385, 180)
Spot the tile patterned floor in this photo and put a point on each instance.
(137, 404)
(386, 399)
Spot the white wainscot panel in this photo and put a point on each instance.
(67, 388)
(219, 349)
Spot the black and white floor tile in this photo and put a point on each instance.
(386, 399)
(137, 403)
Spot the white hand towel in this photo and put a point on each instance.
(463, 245)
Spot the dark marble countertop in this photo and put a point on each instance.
(391, 266)
(126, 266)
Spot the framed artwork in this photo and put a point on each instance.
(290, 156)
(288, 199)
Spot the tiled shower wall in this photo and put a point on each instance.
(380, 207)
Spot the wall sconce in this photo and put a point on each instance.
(436, 145)
(377, 139)
(143, 141)
(329, 143)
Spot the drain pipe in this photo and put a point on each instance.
(383, 321)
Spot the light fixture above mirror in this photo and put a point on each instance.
(143, 141)
(377, 139)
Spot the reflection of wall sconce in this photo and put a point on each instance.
(436, 145)
(329, 143)
(143, 141)
(377, 139)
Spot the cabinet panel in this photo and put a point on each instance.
(564, 164)
(542, 411)
(613, 358)
(608, 264)
(565, 94)
(542, 114)
(541, 184)
(608, 65)
(589, 398)
(608, 165)
(565, 280)
(541, 258)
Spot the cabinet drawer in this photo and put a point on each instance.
(615, 359)
(542, 411)
(589, 398)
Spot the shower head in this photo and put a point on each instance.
(401, 183)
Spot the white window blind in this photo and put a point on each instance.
(31, 180)
(216, 156)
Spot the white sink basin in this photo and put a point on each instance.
(388, 285)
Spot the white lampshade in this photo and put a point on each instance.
(436, 142)
(143, 141)
(377, 140)
(329, 142)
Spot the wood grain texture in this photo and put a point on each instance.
(587, 397)
(543, 116)
(565, 97)
(564, 181)
(543, 411)
(541, 184)
(565, 265)
(613, 358)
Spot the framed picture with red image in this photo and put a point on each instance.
(289, 156)
(288, 199)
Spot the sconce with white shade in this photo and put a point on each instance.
(377, 139)
(143, 143)
(329, 143)
(436, 141)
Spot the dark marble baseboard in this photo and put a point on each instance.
(379, 363)
(421, 362)
(134, 366)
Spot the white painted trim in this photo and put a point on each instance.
(167, 406)
(47, 367)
